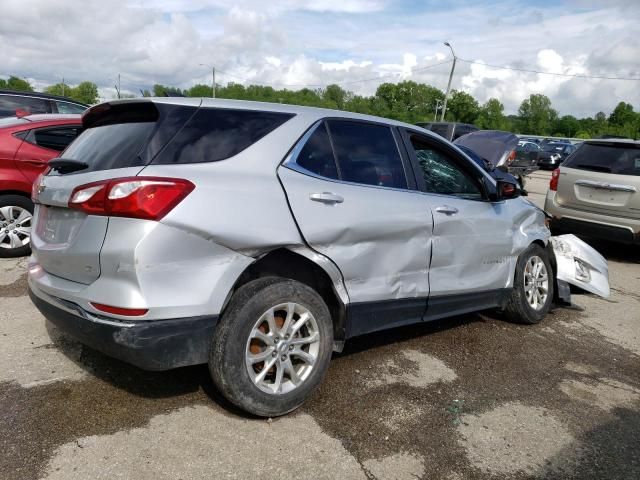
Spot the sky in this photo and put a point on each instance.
(357, 44)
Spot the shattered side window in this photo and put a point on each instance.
(441, 174)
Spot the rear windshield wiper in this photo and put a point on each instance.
(67, 165)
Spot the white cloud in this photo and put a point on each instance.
(317, 42)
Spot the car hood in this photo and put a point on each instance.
(580, 265)
(493, 145)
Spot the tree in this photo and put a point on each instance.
(567, 126)
(537, 115)
(622, 114)
(85, 92)
(335, 96)
(16, 83)
(491, 116)
(199, 90)
(462, 107)
(163, 90)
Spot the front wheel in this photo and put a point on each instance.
(272, 346)
(16, 213)
(532, 293)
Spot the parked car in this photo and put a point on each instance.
(499, 149)
(449, 130)
(26, 145)
(260, 237)
(528, 152)
(24, 103)
(553, 154)
(596, 192)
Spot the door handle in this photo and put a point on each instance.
(447, 210)
(326, 197)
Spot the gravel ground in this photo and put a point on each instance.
(472, 397)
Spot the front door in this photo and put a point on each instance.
(472, 255)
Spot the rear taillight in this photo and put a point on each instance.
(553, 184)
(149, 198)
(512, 157)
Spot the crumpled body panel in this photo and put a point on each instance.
(581, 265)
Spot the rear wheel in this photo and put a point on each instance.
(16, 213)
(532, 293)
(272, 346)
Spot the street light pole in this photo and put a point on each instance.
(213, 79)
(446, 95)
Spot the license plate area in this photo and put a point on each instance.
(57, 227)
(602, 196)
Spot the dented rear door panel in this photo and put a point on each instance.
(380, 238)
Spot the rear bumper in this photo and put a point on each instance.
(150, 345)
(606, 227)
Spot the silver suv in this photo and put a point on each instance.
(258, 238)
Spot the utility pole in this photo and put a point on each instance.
(213, 78)
(446, 95)
(435, 114)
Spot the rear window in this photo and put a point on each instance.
(131, 134)
(111, 146)
(214, 134)
(609, 158)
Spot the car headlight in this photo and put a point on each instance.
(555, 156)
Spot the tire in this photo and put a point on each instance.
(235, 340)
(15, 207)
(519, 307)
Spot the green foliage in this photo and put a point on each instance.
(406, 101)
(567, 126)
(85, 92)
(462, 107)
(491, 116)
(199, 90)
(16, 83)
(537, 115)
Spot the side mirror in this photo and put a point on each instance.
(506, 190)
(502, 190)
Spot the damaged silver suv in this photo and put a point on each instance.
(258, 238)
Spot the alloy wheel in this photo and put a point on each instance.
(536, 282)
(283, 348)
(15, 227)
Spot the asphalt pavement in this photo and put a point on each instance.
(473, 397)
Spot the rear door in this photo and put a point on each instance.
(602, 177)
(41, 145)
(349, 191)
(472, 237)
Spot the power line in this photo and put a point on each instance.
(595, 77)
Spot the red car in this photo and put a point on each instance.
(26, 145)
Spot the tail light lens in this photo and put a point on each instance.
(149, 198)
(512, 157)
(555, 176)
